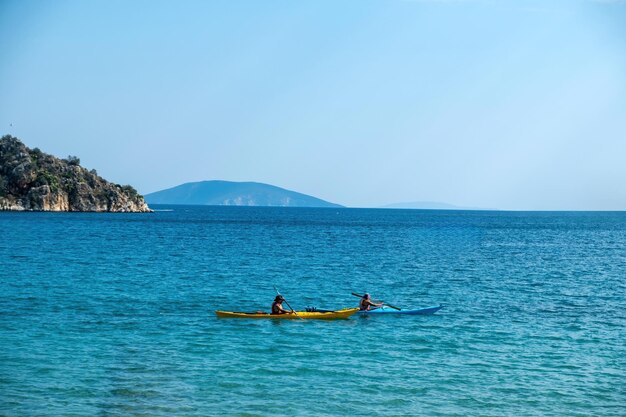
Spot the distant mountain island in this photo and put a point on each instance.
(31, 180)
(228, 193)
(430, 205)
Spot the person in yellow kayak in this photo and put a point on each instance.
(277, 306)
(366, 304)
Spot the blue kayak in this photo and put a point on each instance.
(415, 312)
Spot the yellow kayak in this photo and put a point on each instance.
(323, 315)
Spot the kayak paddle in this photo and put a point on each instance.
(382, 302)
(292, 310)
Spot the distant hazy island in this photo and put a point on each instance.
(430, 205)
(35, 181)
(227, 193)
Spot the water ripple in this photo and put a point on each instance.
(116, 317)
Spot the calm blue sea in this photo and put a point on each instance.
(112, 314)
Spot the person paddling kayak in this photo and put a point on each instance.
(366, 303)
(277, 306)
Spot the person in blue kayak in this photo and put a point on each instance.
(366, 304)
(277, 306)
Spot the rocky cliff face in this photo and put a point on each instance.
(33, 180)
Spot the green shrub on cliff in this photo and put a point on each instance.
(47, 178)
(3, 186)
(129, 189)
(73, 160)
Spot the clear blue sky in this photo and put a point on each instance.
(504, 104)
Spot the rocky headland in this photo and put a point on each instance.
(35, 181)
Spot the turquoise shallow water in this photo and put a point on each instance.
(112, 314)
